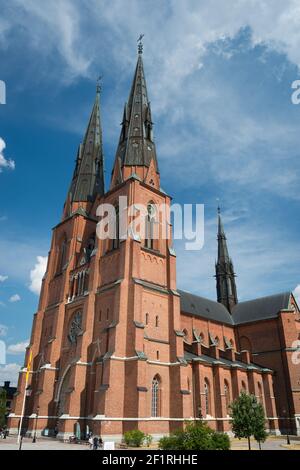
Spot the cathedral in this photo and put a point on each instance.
(116, 345)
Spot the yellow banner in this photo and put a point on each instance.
(29, 363)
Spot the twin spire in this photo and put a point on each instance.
(136, 151)
(88, 177)
(136, 146)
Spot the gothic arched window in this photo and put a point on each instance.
(149, 226)
(207, 397)
(227, 395)
(90, 247)
(229, 286)
(155, 399)
(260, 394)
(116, 239)
(62, 255)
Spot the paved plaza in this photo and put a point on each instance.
(10, 443)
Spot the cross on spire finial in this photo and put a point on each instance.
(140, 44)
(99, 87)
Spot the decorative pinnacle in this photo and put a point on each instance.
(99, 86)
(218, 208)
(140, 44)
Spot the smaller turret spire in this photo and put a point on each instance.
(225, 276)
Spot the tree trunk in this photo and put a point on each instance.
(249, 443)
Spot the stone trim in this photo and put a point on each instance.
(155, 340)
(156, 287)
(179, 333)
(109, 286)
(151, 286)
(108, 418)
(138, 324)
(153, 252)
(164, 363)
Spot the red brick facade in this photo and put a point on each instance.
(136, 360)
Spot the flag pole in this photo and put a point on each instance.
(24, 399)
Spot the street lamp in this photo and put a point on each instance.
(287, 427)
(36, 420)
(27, 393)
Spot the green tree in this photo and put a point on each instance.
(2, 407)
(195, 436)
(248, 418)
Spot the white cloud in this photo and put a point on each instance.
(18, 348)
(178, 37)
(10, 372)
(176, 32)
(37, 273)
(15, 298)
(4, 163)
(16, 256)
(53, 27)
(3, 278)
(297, 294)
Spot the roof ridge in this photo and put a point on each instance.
(265, 297)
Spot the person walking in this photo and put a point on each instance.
(95, 443)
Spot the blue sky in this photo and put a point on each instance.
(219, 77)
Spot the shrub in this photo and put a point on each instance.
(196, 436)
(134, 438)
(148, 439)
(221, 441)
(173, 442)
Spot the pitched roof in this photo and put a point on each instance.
(202, 307)
(244, 312)
(260, 309)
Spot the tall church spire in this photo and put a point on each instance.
(225, 276)
(88, 177)
(136, 147)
